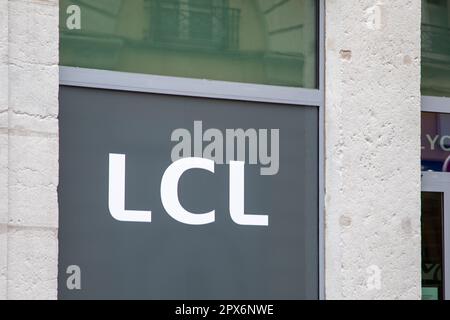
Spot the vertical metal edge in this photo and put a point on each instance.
(322, 288)
(446, 244)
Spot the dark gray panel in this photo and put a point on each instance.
(166, 259)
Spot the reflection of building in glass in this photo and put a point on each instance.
(436, 47)
(254, 41)
(202, 24)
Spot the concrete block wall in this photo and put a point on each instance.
(373, 149)
(28, 148)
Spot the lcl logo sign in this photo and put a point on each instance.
(186, 209)
(169, 193)
(184, 160)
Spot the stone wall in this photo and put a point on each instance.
(28, 148)
(372, 149)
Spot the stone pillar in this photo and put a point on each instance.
(373, 149)
(29, 79)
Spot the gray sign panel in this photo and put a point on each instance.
(221, 231)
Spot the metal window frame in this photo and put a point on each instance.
(440, 182)
(435, 104)
(134, 82)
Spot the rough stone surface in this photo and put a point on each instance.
(33, 179)
(32, 263)
(3, 31)
(3, 262)
(3, 178)
(33, 30)
(3, 145)
(33, 108)
(3, 63)
(28, 149)
(4, 93)
(372, 149)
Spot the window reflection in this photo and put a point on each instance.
(435, 141)
(436, 47)
(200, 24)
(255, 41)
(432, 253)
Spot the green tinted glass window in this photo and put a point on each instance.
(254, 41)
(436, 47)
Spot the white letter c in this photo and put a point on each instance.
(169, 191)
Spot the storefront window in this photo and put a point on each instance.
(432, 209)
(436, 47)
(435, 147)
(435, 142)
(270, 42)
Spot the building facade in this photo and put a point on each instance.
(361, 78)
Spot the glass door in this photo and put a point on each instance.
(435, 235)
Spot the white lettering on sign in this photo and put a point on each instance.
(116, 194)
(169, 193)
(437, 142)
(237, 198)
(190, 153)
